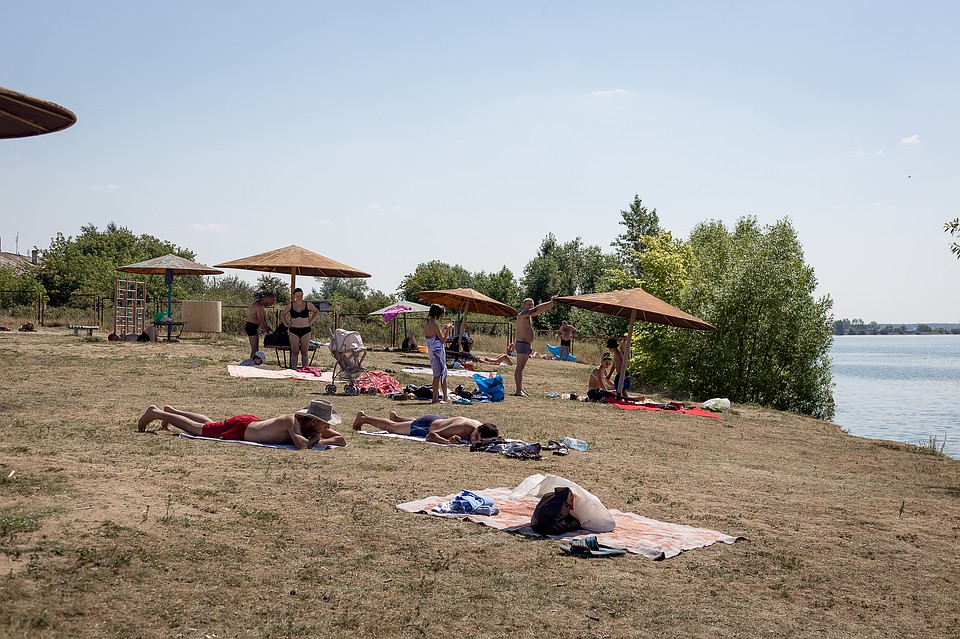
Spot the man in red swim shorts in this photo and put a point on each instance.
(306, 428)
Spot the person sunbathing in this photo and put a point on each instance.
(306, 428)
(439, 429)
(499, 359)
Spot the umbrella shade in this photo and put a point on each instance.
(403, 306)
(160, 266)
(24, 115)
(468, 301)
(636, 303)
(169, 265)
(295, 261)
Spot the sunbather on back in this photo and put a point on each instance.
(439, 429)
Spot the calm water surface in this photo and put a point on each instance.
(900, 387)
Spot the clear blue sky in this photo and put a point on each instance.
(377, 132)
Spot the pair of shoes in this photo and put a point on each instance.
(557, 448)
(589, 547)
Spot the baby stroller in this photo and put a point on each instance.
(348, 352)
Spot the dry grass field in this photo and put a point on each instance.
(105, 532)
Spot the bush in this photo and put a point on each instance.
(773, 337)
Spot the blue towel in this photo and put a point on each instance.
(555, 351)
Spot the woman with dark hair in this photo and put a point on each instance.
(299, 315)
(436, 337)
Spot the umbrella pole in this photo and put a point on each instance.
(626, 355)
(168, 276)
(293, 280)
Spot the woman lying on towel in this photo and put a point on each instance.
(599, 380)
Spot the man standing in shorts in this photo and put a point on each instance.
(257, 319)
(438, 429)
(306, 428)
(524, 341)
(566, 332)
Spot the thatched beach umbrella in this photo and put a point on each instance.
(466, 300)
(23, 115)
(168, 266)
(636, 304)
(295, 261)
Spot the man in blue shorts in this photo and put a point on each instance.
(438, 429)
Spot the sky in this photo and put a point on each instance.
(388, 134)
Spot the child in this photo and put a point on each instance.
(436, 337)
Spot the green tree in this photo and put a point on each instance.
(501, 286)
(953, 228)
(562, 269)
(272, 284)
(229, 289)
(88, 263)
(434, 276)
(640, 223)
(18, 287)
(773, 336)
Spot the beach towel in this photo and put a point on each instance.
(253, 371)
(451, 372)
(422, 440)
(555, 351)
(634, 533)
(237, 441)
(384, 382)
(625, 405)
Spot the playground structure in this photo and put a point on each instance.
(129, 306)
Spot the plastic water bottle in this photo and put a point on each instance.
(576, 444)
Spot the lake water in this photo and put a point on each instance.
(900, 387)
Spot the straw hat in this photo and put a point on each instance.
(322, 410)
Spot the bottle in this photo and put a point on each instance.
(576, 444)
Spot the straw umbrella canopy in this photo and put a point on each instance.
(636, 303)
(295, 261)
(23, 115)
(466, 300)
(168, 266)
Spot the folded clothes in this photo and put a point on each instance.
(466, 503)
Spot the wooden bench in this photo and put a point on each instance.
(89, 329)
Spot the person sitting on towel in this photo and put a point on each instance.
(599, 389)
(306, 428)
(438, 429)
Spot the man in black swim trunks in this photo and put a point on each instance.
(438, 429)
(524, 341)
(257, 319)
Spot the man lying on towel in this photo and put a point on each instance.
(438, 429)
(305, 428)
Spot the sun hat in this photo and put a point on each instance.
(322, 410)
(261, 355)
(606, 356)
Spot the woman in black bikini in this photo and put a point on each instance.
(299, 315)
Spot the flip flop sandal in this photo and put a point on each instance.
(589, 547)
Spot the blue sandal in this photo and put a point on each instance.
(589, 547)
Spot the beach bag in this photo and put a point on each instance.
(279, 337)
(586, 507)
(492, 386)
(552, 514)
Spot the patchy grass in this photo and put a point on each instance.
(110, 533)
